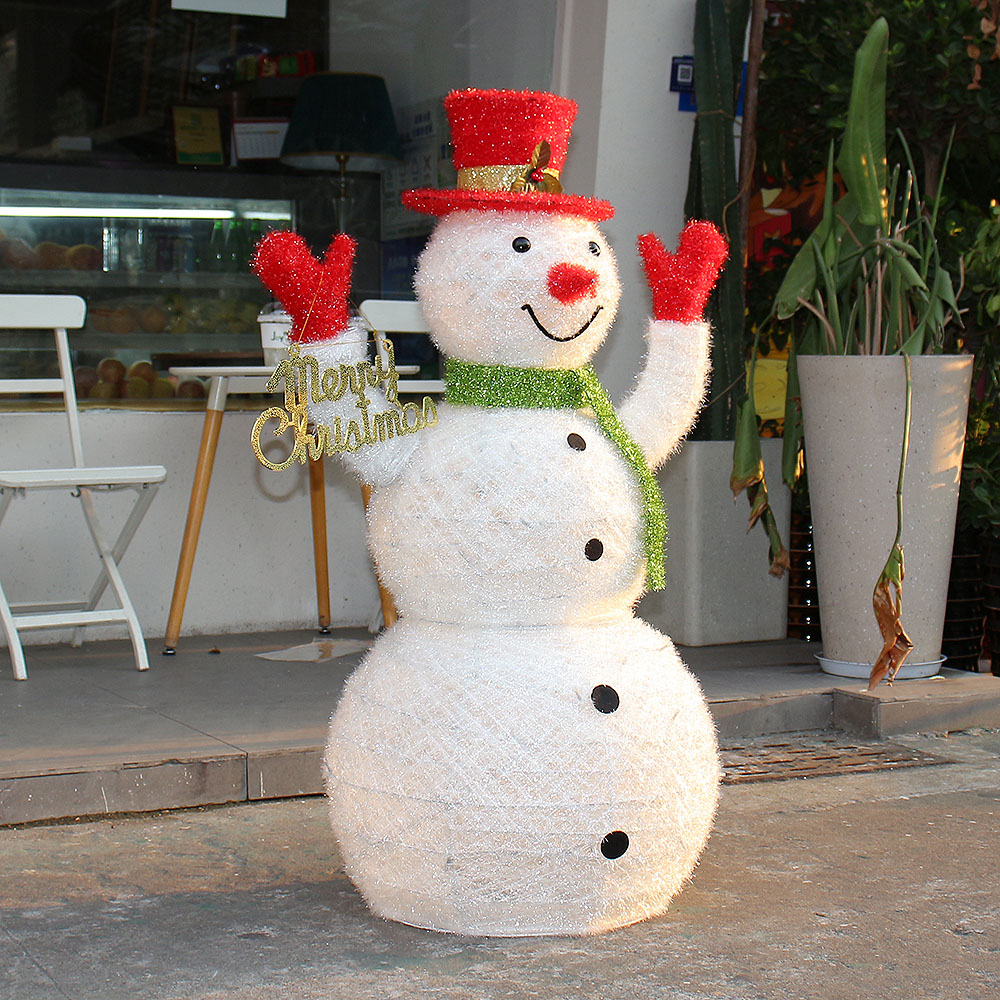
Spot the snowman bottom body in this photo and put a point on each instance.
(511, 781)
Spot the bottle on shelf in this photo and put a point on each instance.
(237, 246)
(216, 258)
(254, 235)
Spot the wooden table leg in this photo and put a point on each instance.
(317, 503)
(196, 510)
(389, 613)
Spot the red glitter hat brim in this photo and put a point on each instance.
(442, 201)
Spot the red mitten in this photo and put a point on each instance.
(314, 294)
(682, 282)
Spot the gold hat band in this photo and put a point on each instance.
(504, 177)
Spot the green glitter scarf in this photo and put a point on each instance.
(540, 388)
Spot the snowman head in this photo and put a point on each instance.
(521, 288)
(516, 271)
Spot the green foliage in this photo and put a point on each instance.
(712, 194)
(979, 500)
(862, 148)
(870, 275)
(941, 77)
(982, 265)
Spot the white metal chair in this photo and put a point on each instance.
(59, 313)
(387, 316)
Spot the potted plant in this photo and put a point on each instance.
(881, 404)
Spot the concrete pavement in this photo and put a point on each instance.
(876, 885)
(89, 734)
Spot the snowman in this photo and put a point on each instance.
(518, 754)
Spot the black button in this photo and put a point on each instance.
(576, 442)
(605, 698)
(594, 549)
(614, 845)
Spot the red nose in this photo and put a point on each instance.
(569, 282)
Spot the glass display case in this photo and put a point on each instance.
(165, 277)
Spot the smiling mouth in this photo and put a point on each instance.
(562, 340)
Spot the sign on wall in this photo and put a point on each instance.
(257, 8)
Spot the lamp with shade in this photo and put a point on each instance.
(339, 117)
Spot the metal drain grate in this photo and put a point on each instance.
(777, 759)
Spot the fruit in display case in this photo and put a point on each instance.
(124, 317)
(98, 318)
(162, 388)
(84, 257)
(174, 314)
(154, 318)
(84, 379)
(201, 314)
(111, 370)
(139, 380)
(136, 388)
(112, 380)
(17, 254)
(120, 319)
(111, 377)
(104, 390)
(48, 256)
(142, 370)
(52, 256)
(191, 388)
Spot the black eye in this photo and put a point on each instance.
(594, 248)
(522, 244)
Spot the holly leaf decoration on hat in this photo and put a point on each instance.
(538, 176)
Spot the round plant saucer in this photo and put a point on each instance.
(908, 671)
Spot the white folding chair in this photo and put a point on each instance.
(59, 313)
(388, 316)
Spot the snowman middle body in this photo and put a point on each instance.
(511, 517)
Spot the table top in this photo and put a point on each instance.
(224, 371)
(253, 378)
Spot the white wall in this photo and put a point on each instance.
(631, 145)
(254, 569)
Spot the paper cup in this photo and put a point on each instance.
(275, 325)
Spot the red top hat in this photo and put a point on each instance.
(509, 148)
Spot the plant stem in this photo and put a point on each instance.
(905, 450)
(748, 128)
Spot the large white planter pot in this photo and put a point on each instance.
(718, 588)
(853, 412)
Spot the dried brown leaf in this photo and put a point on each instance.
(896, 644)
(780, 563)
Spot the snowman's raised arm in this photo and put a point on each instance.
(315, 294)
(671, 387)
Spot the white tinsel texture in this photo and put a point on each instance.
(473, 780)
(519, 755)
(491, 524)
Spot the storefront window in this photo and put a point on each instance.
(121, 118)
